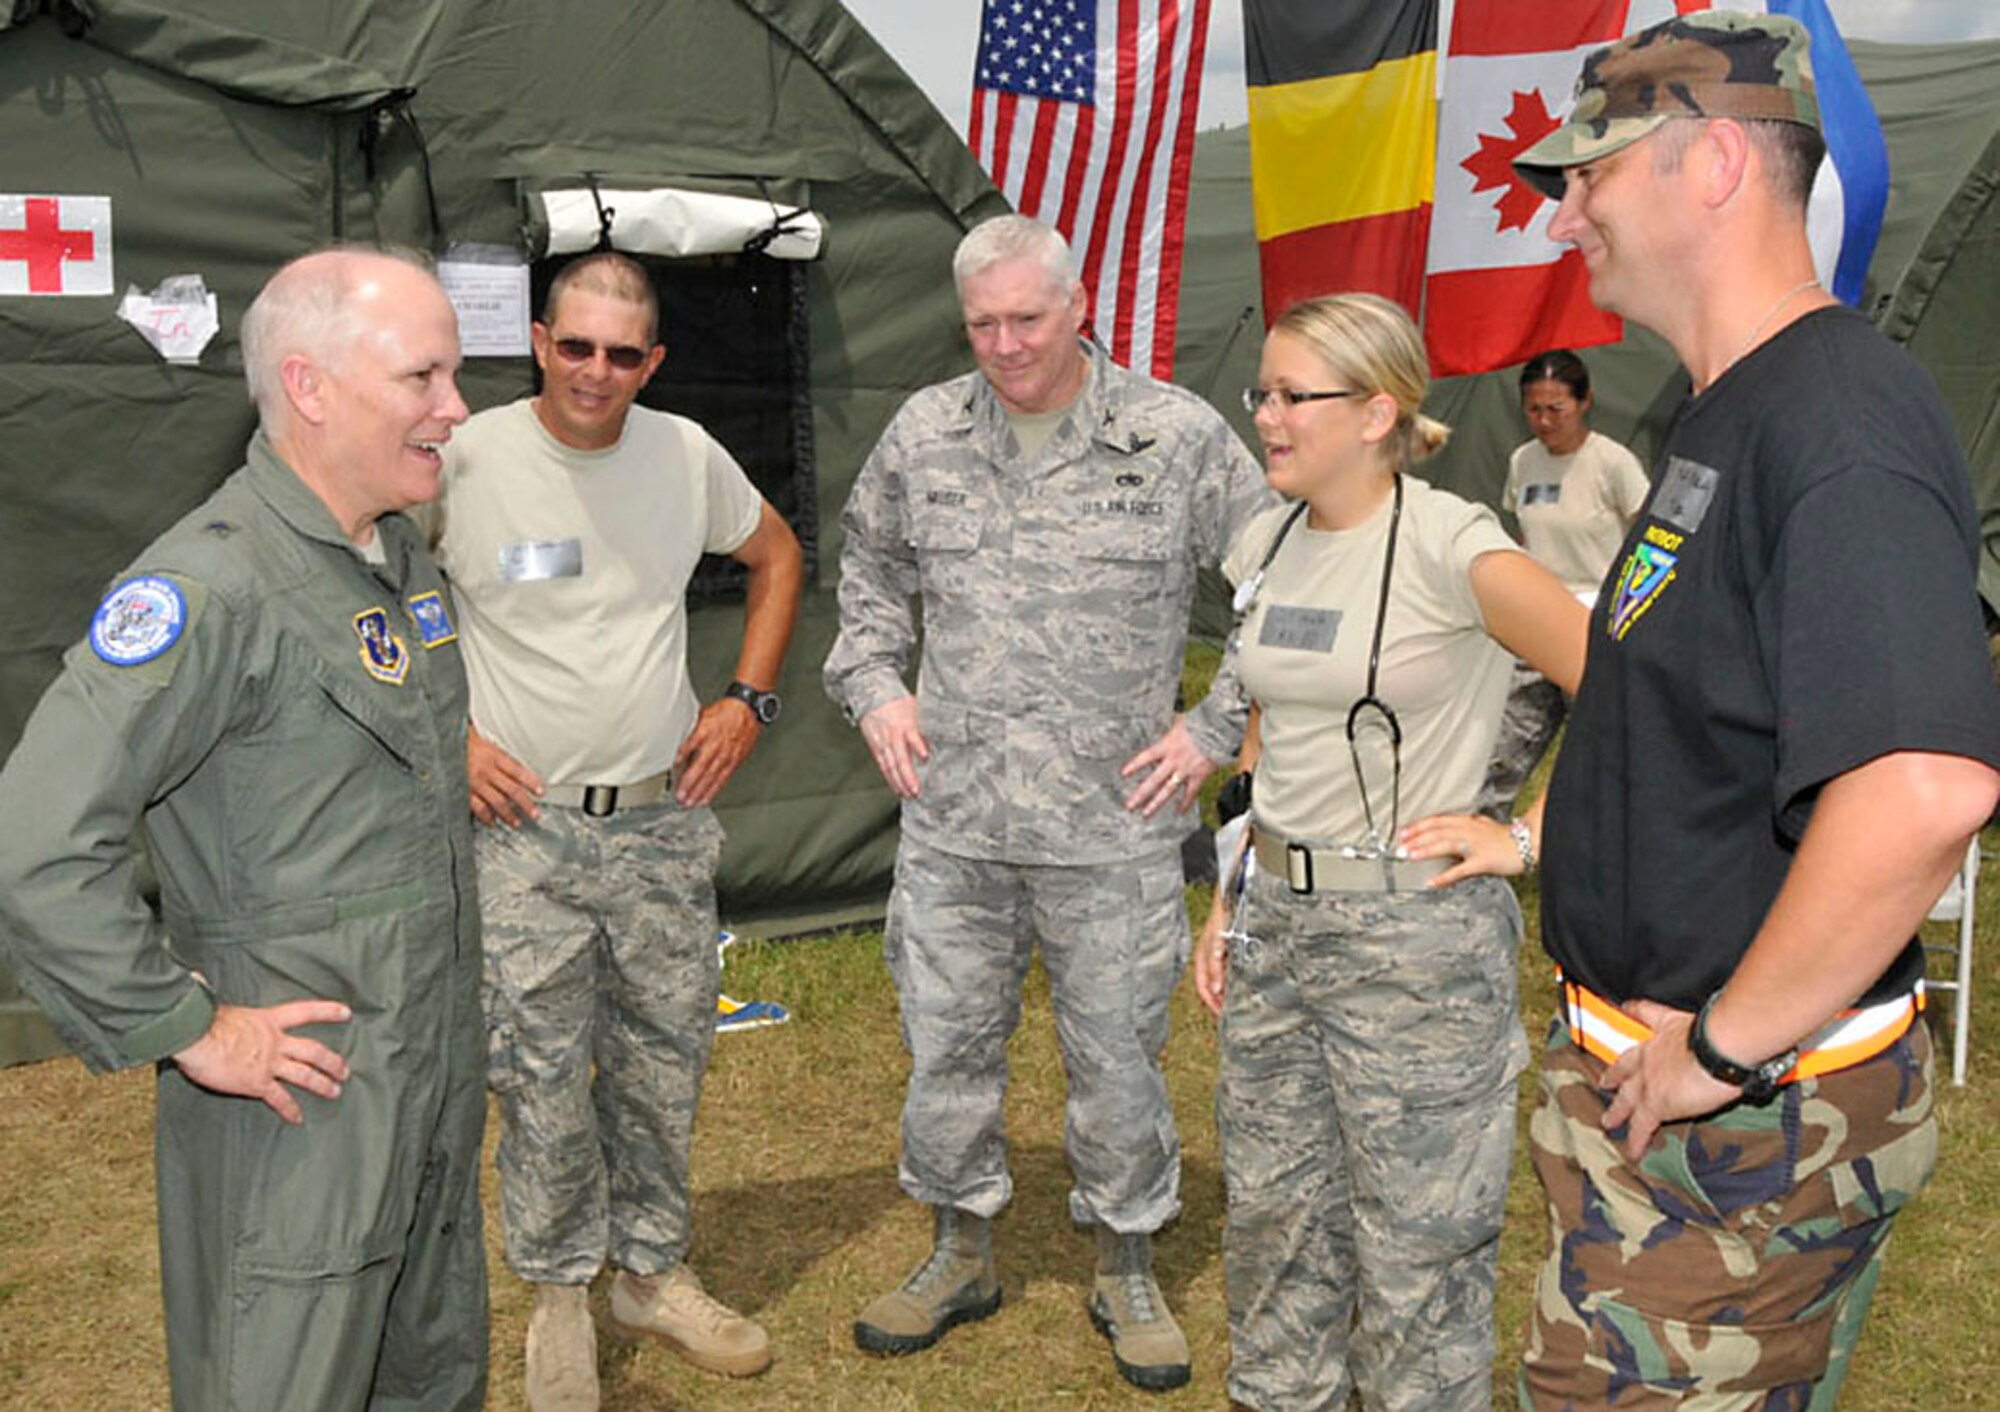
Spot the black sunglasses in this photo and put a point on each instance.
(622, 356)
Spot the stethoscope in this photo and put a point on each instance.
(1379, 844)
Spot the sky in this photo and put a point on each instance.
(934, 40)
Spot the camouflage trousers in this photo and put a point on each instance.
(1731, 1267)
(601, 978)
(1536, 708)
(1366, 1106)
(1114, 940)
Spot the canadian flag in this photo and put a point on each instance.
(1498, 290)
(55, 245)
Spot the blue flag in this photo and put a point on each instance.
(1852, 191)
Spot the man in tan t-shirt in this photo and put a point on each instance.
(570, 524)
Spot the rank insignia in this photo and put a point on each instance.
(382, 652)
(434, 627)
(139, 620)
(1645, 576)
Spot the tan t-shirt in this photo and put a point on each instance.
(1303, 654)
(1574, 509)
(1033, 430)
(569, 570)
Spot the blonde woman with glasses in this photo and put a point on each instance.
(1366, 989)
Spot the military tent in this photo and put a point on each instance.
(215, 139)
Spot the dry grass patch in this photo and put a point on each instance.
(799, 1222)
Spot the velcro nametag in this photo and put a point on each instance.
(1543, 493)
(1300, 629)
(527, 560)
(1685, 492)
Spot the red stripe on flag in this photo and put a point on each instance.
(1506, 27)
(1003, 137)
(1475, 318)
(1142, 182)
(1381, 254)
(976, 125)
(1166, 317)
(1079, 170)
(1125, 85)
(1038, 158)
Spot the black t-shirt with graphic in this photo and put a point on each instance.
(1796, 600)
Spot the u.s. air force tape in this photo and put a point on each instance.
(138, 620)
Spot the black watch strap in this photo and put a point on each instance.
(1758, 1081)
(764, 705)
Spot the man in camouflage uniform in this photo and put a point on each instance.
(569, 524)
(1785, 735)
(272, 690)
(1050, 511)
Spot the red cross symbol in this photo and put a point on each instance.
(45, 245)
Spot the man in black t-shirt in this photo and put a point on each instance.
(1787, 732)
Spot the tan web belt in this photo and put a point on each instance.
(602, 800)
(1309, 869)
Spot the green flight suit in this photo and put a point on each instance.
(289, 722)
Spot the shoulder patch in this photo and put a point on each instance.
(138, 620)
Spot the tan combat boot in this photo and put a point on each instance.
(955, 1285)
(562, 1351)
(675, 1310)
(1128, 1308)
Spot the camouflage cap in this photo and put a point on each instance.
(1711, 64)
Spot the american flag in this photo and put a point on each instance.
(1083, 112)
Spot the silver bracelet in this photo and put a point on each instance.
(1524, 843)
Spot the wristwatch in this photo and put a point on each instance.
(764, 705)
(1758, 1081)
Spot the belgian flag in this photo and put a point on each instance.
(1343, 145)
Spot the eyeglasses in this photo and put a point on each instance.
(622, 356)
(1255, 398)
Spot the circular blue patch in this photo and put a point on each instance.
(140, 619)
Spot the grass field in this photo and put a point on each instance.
(799, 1221)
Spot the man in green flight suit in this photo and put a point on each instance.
(273, 689)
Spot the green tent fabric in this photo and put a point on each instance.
(231, 136)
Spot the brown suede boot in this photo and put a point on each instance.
(1127, 1307)
(674, 1309)
(562, 1351)
(955, 1285)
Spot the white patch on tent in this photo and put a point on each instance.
(178, 318)
(488, 289)
(55, 245)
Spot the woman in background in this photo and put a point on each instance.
(1575, 492)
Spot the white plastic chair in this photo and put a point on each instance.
(1958, 905)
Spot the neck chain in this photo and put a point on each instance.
(1762, 324)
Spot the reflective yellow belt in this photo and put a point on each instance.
(1598, 1027)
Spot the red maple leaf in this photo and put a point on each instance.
(1493, 164)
